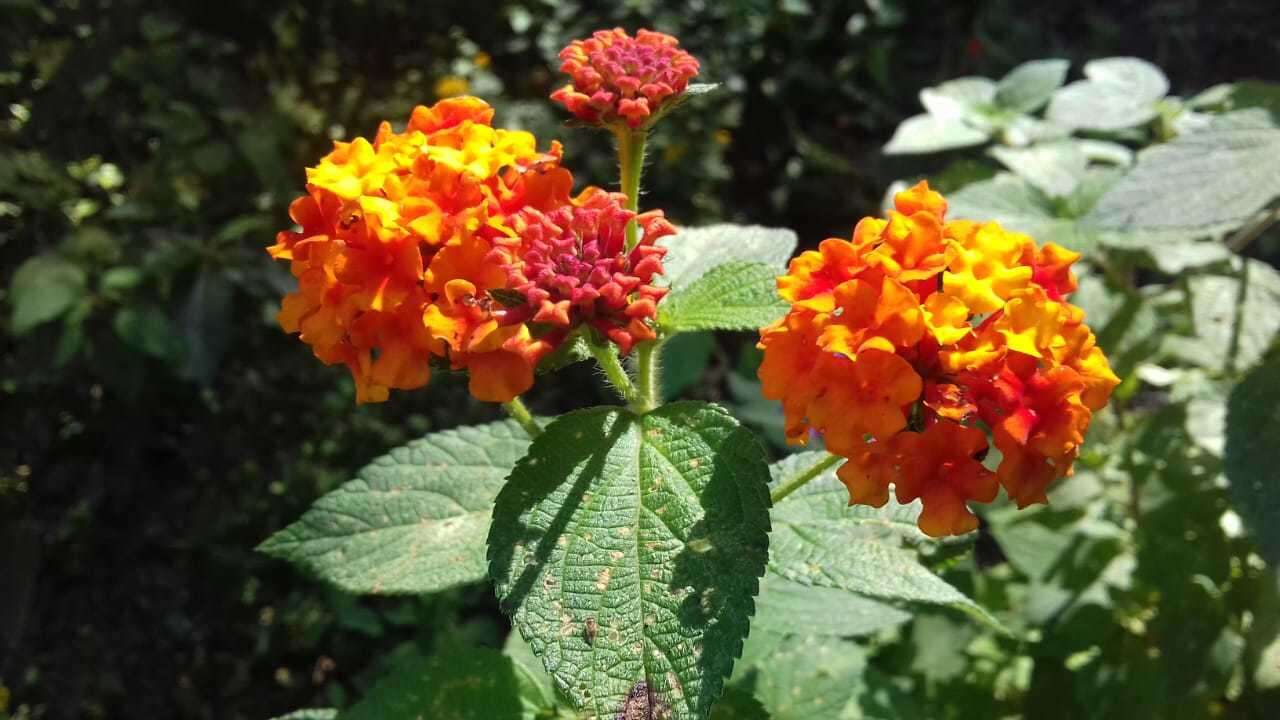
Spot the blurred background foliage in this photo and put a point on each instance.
(157, 425)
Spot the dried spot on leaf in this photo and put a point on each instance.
(643, 704)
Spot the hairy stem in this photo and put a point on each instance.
(798, 481)
(518, 412)
(614, 372)
(631, 167)
(648, 376)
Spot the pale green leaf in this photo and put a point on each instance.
(819, 539)
(1211, 179)
(1253, 454)
(413, 521)
(734, 296)
(787, 607)
(809, 678)
(692, 252)
(1017, 205)
(1055, 168)
(929, 134)
(963, 99)
(628, 549)
(1235, 318)
(1139, 78)
(457, 684)
(43, 288)
(1030, 85)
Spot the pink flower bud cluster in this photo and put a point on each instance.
(572, 266)
(616, 77)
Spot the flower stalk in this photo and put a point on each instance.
(520, 413)
(796, 482)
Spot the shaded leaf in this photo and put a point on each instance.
(1253, 454)
(43, 288)
(458, 684)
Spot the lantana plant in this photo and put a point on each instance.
(936, 360)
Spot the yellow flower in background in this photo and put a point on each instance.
(452, 86)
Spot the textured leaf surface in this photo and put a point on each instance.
(1053, 168)
(1017, 205)
(819, 539)
(1235, 318)
(734, 296)
(810, 678)
(1217, 177)
(1253, 454)
(458, 684)
(629, 548)
(413, 521)
(927, 134)
(787, 607)
(1118, 93)
(692, 252)
(1030, 85)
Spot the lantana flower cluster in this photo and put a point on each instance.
(905, 345)
(617, 78)
(454, 242)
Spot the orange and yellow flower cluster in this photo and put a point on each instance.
(619, 78)
(904, 342)
(403, 252)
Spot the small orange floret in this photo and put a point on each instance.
(900, 340)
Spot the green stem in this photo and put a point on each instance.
(798, 481)
(631, 166)
(613, 370)
(518, 412)
(648, 376)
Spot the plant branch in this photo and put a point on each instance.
(613, 370)
(631, 167)
(518, 412)
(648, 376)
(798, 481)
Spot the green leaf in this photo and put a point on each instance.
(207, 324)
(693, 252)
(929, 134)
(734, 296)
(1030, 85)
(810, 678)
(119, 280)
(413, 521)
(43, 288)
(684, 360)
(1017, 205)
(1055, 168)
(1215, 178)
(456, 684)
(310, 714)
(965, 99)
(628, 549)
(738, 704)
(1253, 454)
(1132, 75)
(1235, 318)
(148, 330)
(787, 607)
(537, 695)
(819, 539)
